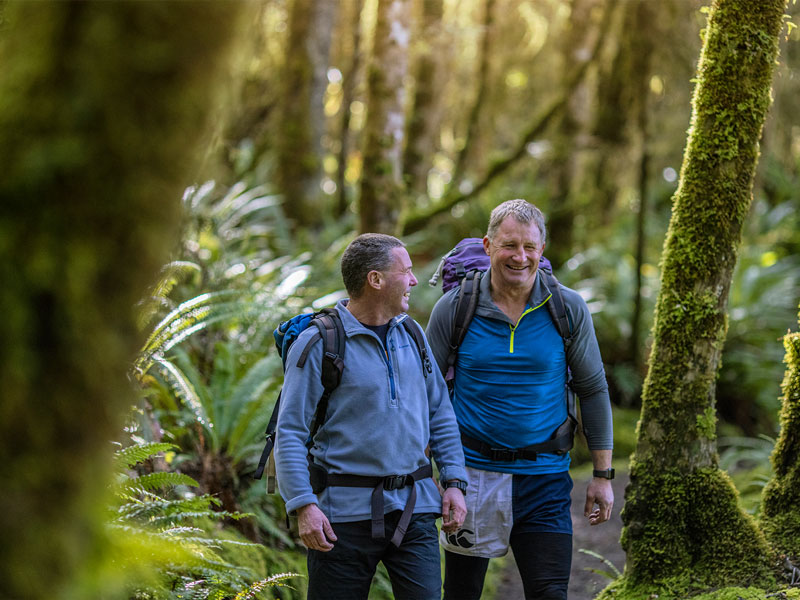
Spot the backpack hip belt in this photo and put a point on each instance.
(560, 443)
(320, 480)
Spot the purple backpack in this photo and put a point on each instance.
(468, 255)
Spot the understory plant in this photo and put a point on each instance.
(170, 543)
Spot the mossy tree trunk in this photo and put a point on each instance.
(780, 508)
(104, 110)
(423, 125)
(381, 192)
(683, 525)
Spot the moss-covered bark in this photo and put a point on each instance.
(683, 527)
(102, 116)
(381, 192)
(781, 499)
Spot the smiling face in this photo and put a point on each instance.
(397, 283)
(514, 253)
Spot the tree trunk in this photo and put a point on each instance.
(423, 126)
(780, 509)
(381, 180)
(683, 526)
(104, 110)
(563, 165)
(302, 122)
(348, 93)
(473, 120)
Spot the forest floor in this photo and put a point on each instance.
(602, 540)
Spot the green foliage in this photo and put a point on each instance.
(746, 460)
(764, 292)
(170, 545)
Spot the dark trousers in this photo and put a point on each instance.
(346, 572)
(544, 560)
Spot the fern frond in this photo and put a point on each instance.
(272, 581)
(184, 390)
(155, 481)
(133, 455)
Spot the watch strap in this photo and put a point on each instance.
(605, 473)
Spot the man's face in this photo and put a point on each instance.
(398, 282)
(514, 254)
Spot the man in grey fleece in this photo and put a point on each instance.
(381, 502)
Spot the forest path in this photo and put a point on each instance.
(601, 539)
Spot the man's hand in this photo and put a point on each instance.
(315, 529)
(454, 510)
(598, 492)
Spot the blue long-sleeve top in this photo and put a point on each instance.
(510, 377)
(379, 421)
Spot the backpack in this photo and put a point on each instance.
(330, 329)
(464, 266)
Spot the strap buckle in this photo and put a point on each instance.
(394, 482)
(502, 454)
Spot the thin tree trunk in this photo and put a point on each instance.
(473, 120)
(683, 525)
(381, 194)
(423, 125)
(642, 48)
(568, 131)
(104, 109)
(348, 93)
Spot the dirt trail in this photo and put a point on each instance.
(602, 539)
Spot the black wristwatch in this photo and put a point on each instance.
(605, 474)
(456, 483)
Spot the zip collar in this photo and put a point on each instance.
(487, 308)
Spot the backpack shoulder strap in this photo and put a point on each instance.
(415, 331)
(557, 308)
(467, 302)
(333, 344)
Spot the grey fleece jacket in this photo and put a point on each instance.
(380, 420)
(583, 355)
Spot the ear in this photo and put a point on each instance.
(374, 280)
(486, 244)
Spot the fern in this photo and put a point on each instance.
(155, 481)
(132, 455)
(166, 545)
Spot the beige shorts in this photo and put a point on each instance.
(487, 527)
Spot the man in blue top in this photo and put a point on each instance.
(380, 503)
(508, 395)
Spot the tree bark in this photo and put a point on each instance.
(473, 120)
(348, 93)
(381, 196)
(780, 508)
(683, 526)
(423, 125)
(302, 122)
(104, 111)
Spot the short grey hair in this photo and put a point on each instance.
(523, 212)
(368, 252)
